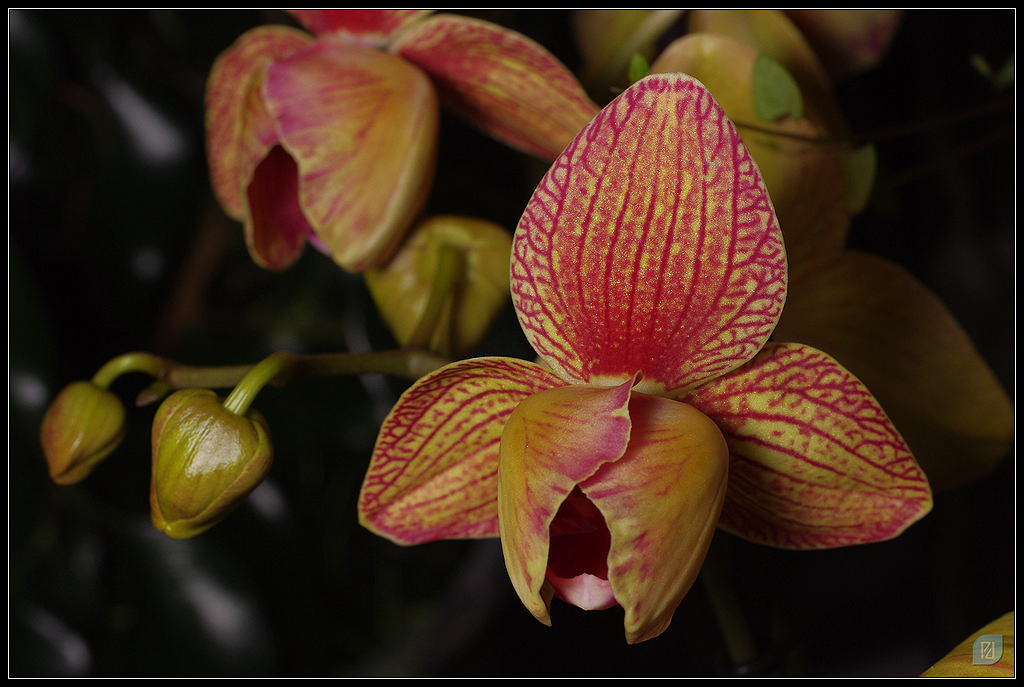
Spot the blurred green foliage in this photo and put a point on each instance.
(116, 244)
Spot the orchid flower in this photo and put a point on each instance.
(648, 272)
(330, 135)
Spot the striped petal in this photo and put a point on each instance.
(804, 176)
(651, 245)
(662, 502)
(254, 180)
(552, 441)
(881, 323)
(371, 27)
(361, 125)
(609, 496)
(501, 81)
(815, 461)
(433, 473)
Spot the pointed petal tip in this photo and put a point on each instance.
(815, 461)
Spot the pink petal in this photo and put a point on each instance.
(239, 130)
(501, 81)
(433, 473)
(362, 126)
(589, 592)
(650, 245)
(815, 461)
(372, 27)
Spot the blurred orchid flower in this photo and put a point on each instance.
(330, 136)
(648, 272)
(875, 317)
(849, 41)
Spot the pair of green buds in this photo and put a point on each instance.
(208, 454)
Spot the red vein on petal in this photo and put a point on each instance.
(806, 437)
(647, 256)
(433, 474)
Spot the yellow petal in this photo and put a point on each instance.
(609, 38)
(897, 337)
(552, 441)
(361, 125)
(661, 502)
(986, 653)
(815, 462)
(771, 32)
(434, 470)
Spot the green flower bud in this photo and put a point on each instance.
(82, 426)
(206, 460)
(445, 285)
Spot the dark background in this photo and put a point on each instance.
(116, 246)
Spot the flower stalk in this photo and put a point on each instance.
(170, 375)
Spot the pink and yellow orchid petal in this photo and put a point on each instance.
(434, 470)
(371, 27)
(651, 245)
(895, 335)
(500, 81)
(551, 442)
(661, 502)
(362, 126)
(253, 179)
(804, 175)
(815, 461)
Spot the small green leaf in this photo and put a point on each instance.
(638, 67)
(776, 93)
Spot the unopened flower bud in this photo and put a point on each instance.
(206, 460)
(446, 284)
(82, 426)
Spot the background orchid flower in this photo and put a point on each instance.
(874, 316)
(648, 272)
(330, 136)
(849, 41)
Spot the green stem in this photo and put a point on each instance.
(278, 369)
(131, 362)
(726, 605)
(408, 364)
(242, 396)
